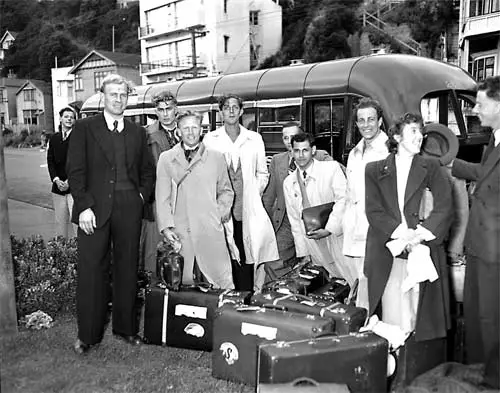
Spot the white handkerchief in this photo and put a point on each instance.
(419, 267)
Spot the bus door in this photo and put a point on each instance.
(325, 119)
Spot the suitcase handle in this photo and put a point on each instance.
(293, 296)
(275, 307)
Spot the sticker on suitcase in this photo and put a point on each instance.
(265, 332)
(191, 311)
(229, 352)
(194, 329)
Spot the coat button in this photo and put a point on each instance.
(109, 195)
(111, 181)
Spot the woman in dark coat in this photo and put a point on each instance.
(395, 188)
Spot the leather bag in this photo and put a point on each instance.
(303, 385)
(316, 217)
(169, 266)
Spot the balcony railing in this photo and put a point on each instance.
(184, 63)
(170, 26)
(482, 24)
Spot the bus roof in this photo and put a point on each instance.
(386, 78)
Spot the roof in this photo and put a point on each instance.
(118, 58)
(7, 32)
(43, 86)
(4, 82)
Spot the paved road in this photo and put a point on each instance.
(30, 200)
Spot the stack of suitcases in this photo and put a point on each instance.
(300, 326)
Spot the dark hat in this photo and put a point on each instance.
(439, 142)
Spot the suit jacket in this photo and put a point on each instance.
(482, 238)
(91, 166)
(273, 198)
(56, 160)
(383, 213)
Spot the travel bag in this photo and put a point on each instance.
(239, 330)
(347, 318)
(336, 289)
(184, 318)
(358, 360)
(303, 385)
(304, 280)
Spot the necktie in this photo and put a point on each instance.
(292, 166)
(189, 154)
(304, 174)
(65, 135)
(115, 126)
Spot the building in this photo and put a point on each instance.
(34, 104)
(193, 38)
(6, 42)
(8, 105)
(479, 37)
(125, 3)
(95, 66)
(63, 91)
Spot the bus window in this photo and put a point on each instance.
(248, 119)
(288, 114)
(272, 137)
(326, 123)
(266, 115)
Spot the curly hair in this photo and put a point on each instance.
(368, 103)
(492, 87)
(397, 129)
(223, 99)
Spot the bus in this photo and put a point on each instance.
(321, 97)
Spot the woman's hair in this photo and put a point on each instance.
(397, 129)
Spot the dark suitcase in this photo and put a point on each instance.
(337, 289)
(184, 318)
(239, 330)
(347, 318)
(302, 281)
(358, 360)
(415, 358)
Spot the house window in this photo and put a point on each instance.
(98, 78)
(482, 67)
(29, 95)
(254, 18)
(30, 117)
(481, 7)
(225, 6)
(226, 44)
(78, 82)
(3, 97)
(70, 90)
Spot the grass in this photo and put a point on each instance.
(43, 361)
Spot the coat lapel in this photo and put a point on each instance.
(417, 175)
(130, 143)
(490, 164)
(388, 182)
(103, 137)
(283, 167)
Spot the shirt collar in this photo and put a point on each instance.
(377, 144)
(311, 172)
(186, 148)
(496, 135)
(110, 120)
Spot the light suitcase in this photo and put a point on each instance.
(239, 330)
(358, 360)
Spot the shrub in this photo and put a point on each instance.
(44, 274)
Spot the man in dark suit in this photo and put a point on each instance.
(274, 201)
(482, 240)
(110, 175)
(56, 163)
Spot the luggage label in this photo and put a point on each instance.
(191, 311)
(265, 332)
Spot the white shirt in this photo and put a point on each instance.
(110, 120)
(496, 135)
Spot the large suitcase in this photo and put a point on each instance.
(415, 358)
(347, 318)
(358, 360)
(184, 318)
(239, 330)
(302, 280)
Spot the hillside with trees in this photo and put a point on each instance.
(66, 29)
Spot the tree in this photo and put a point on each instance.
(326, 35)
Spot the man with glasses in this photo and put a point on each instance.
(371, 147)
(162, 136)
(250, 233)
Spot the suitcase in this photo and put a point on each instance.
(303, 385)
(337, 289)
(239, 330)
(303, 281)
(415, 358)
(347, 318)
(184, 318)
(358, 360)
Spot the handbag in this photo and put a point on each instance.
(169, 266)
(316, 217)
(303, 385)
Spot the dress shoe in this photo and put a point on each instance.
(80, 347)
(132, 340)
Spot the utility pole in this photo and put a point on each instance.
(193, 51)
(8, 315)
(113, 38)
